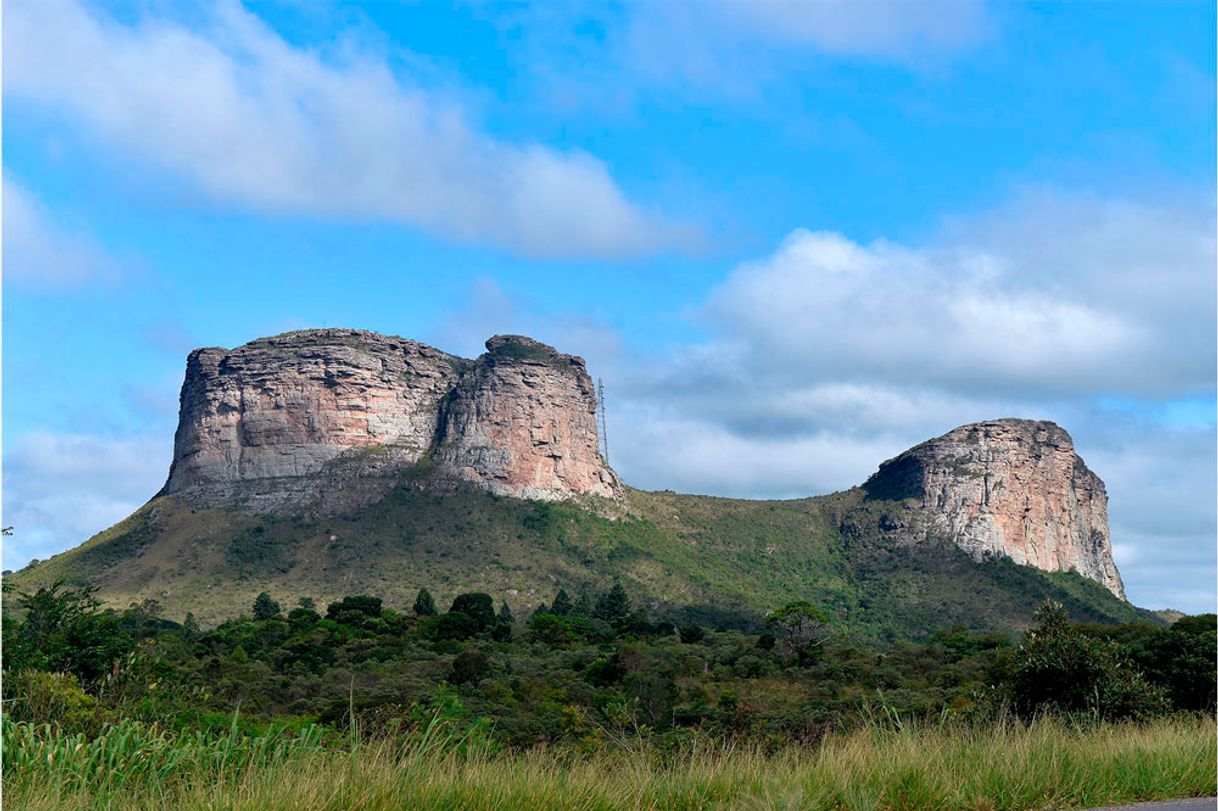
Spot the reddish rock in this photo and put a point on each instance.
(523, 423)
(1014, 488)
(282, 409)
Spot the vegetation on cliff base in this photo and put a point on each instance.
(368, 707)
(682, 556)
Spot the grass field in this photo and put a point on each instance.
(1043, 765)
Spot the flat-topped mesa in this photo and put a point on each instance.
(1014, 488)
(522, 423)
(283, 407)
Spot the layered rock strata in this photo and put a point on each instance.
(519, 421)
(522, 423)
(1011, 488)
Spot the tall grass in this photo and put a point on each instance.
(1045, 764)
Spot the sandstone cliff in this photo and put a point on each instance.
(522, 423)
(334, 418)
(519, 421)
(1014, 488)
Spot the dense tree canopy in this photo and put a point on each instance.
(599, 666)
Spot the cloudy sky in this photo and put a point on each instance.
(792, 238)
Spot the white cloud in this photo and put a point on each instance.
(1053, 295)
(829, 357)
(260, 123)
(39, 252)
(60, 489)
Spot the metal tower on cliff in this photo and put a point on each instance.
(600, 410)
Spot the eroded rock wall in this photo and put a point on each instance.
(282, 408)
(1014, 488)
(523, 423)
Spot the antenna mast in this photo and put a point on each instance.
(600, 407)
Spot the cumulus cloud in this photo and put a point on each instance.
(40, 252)
(60, 489)
(261, 123)
(828, 356)
(1053, 296)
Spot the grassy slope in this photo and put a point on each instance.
(724, 560)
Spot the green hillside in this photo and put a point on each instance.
(722, 561)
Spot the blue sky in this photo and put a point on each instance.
(793, 238)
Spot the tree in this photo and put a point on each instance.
(613, 603)
(307, 603)
(562, 604)
(469, 667)
(802, 627)
(502, 630)
(265, 607)
(424, 605)
(1060, 668)
(354, 610)
(454, 625)
(691, 634)
(477, 606)
(584, 607)
(64, 631)
(191, 625)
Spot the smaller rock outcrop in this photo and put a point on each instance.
(1013, 488)
(522, 422)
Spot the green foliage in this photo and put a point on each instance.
(480, 608)
(258, 553)
(63, 631)
(56, 699)
(692, 633)
(581, 680)
(445, 759)
(802, 628)
(356, 610)
(424, 605)
(455, 625)
(613, 603)
(469, 666)
(1060, 668)
(265, 607)
(562, 604)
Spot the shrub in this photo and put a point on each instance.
(469, 667)
(53, 698)
(1059, 668)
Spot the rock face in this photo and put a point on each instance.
(519, 421)
(1014, 488)
(522, 423)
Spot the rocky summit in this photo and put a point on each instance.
(1010, 488)
(277, 419)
